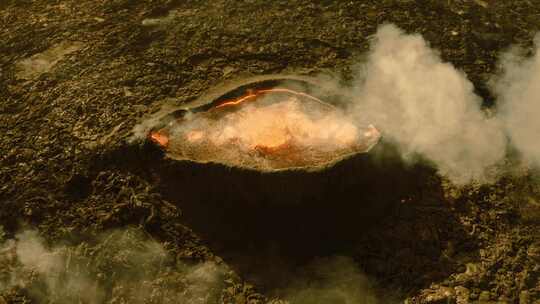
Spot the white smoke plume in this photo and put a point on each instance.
(117, 267)
(518, 93)
(427, 107)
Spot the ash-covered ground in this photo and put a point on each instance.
(82, 219)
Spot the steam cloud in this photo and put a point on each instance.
(518, 91)
(427, 107)
(123, 267)
(275, 125)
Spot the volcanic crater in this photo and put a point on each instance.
(295, 206)
(270, 123)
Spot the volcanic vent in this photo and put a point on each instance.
(266, 124)
(274, 162)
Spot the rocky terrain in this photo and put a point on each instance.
(83, 221)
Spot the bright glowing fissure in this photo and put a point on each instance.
(268, 129)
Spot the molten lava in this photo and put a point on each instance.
(254, 94)
(285, 128)
(159, 138)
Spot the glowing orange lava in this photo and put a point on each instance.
(294, 129)
(253, 94)
(159, 138)
(278, 139)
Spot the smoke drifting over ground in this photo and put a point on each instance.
(518, 91)
(117, 267)
(427, 107)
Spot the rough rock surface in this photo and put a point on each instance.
(65, 172)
